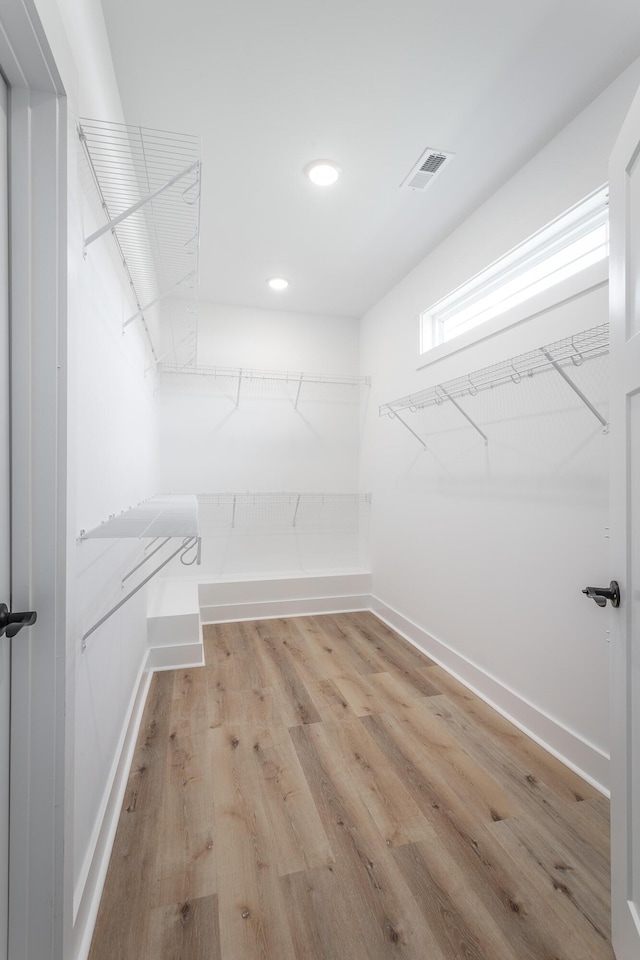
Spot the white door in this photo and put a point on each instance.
(625, 534)
(5, 584)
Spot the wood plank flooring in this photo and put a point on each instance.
(322, 791)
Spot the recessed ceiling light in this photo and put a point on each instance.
(278, 283)
(323, 172)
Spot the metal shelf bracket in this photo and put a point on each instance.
(396, 416)
(465, 415)
(152, 303)
(567, 379)
(188, 544)
(144, 559)
(112, 224)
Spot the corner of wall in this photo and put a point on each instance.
(584, 758)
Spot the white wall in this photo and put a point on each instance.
(486, 549)
(112, 457)
(113, 430)
(208, 444)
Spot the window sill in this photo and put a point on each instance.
(593, 276)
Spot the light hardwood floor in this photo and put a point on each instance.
(322, 791)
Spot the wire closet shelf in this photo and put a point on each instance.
(159, 520)
(296, 382)
(560, 356)
(278, 510)
(289, 376)
(148, 184)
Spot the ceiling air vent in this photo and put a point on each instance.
(424, 172)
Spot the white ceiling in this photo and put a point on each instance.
(273, 84)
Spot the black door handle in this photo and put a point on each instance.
(12, 623)
(602, 594)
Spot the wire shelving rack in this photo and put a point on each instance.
(278, 510)
(161, 521)
(296, 380)
(148, 184)
(560, 356)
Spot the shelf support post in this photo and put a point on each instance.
(395, 415)
(295, 406)
(465, 415)
(152, 303)
(295, 512)
(567, 379)
(239, 385)
(144, 560)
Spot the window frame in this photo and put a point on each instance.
(578, 221)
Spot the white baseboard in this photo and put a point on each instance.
(574, 751)
(270, 609)
(290, 596)
(90, 884)
(176, 657)
(88, 890)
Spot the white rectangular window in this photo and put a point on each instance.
(570, 243)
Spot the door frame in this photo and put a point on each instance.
(39, 863)
(625, 504)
